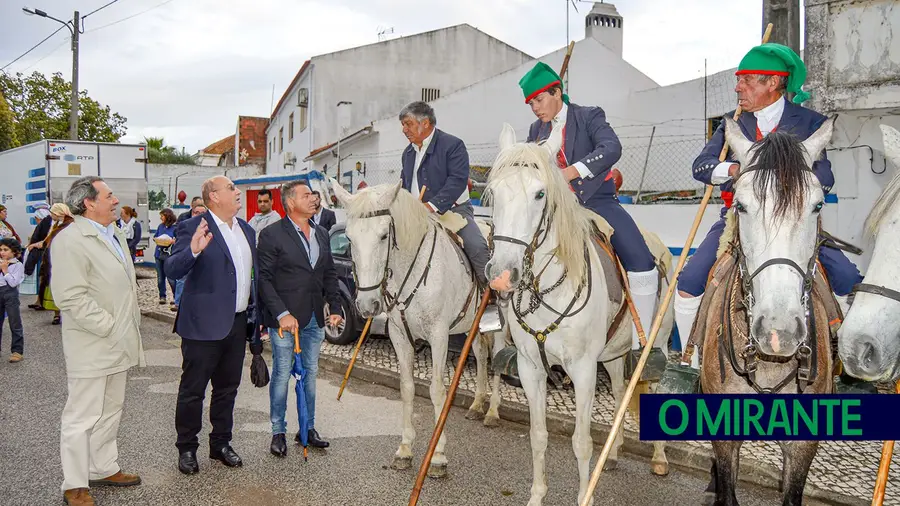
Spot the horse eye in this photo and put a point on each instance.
(740, 207)
(818, 207)
(383, 237)
(539, 195)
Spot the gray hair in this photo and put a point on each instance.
(782, 81)
(419, 110)
(81, 189)
(287, 192)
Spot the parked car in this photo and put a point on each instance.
(348, 332)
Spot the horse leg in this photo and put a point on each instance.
(405, 352)
(492, 418)
(476, 410)
(710, 492)
(797, 457)
(727, 455)
(616, 370)
(439, 342)
(534, 382)
(584, 378)
(659, 464)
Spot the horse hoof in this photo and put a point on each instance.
(437, 471)
(401, 463)
(659, 468)
(610, 465)
(491, 421)
(474, 414)
(709, 499)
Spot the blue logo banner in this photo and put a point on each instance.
(693, 417)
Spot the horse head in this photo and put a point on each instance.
(869, 338)
(529, 196)
(372, 231)
(777, 201)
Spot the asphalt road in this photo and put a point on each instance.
(487, 466)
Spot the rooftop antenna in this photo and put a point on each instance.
(384, 32)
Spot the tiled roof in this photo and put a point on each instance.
(220, 147)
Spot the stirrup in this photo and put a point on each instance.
(846, 384)
(653, 369)
(491, 320)
(505, 363)
(679, 379)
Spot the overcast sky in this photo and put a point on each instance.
(185, 69)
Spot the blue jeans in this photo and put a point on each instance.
(311, 338)
(161, 279)
(179, 287)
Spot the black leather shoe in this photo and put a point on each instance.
(187, 463)
(315, 441)
(279, 445)
(226, 456)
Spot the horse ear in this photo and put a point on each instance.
(393, 193)
(507, 136)
(818, 140)
(891, 138)
(739, 144)
(343, 196)
(554, 142)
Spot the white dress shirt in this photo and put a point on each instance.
(767, 119)
(420, 155)
(109, 235)
(241, 256)
(560, 122)
(15, 274)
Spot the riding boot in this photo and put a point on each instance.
(685, 313)
(644, 287)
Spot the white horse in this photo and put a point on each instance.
(867, 341)
(406, 264)
(539, 225)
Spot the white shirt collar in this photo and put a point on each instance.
(771, 114)
(105, 230)
(219, 222)
(426, 142)
(562, 114)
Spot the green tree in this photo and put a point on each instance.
(41, 109)
(158, 152)
(8, 138)
(157, 200)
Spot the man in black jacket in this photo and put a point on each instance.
(296, 278)
(324, 217)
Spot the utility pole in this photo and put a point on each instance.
(785, 15)
(73, 114)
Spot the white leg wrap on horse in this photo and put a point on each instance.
(685, 313)
(844, 302)
(644, 286)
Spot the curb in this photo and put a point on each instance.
(682, 456)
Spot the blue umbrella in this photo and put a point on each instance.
(299, 373)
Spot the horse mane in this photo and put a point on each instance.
(883, 205)
(779, 164)
(571, 220)
(411, 218)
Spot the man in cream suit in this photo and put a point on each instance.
(93, 284)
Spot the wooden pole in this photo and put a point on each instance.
(884, 466)
(657, 323)
(451, 394)
(359, 343)
(565, 64)
(362, 337)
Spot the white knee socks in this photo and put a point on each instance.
(643, 287)
(685, 313)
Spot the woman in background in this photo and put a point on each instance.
(164, 239)
(7, 230)
(63, 217)
(132, 228)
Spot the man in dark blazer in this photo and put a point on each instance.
(216, 254)
(439, 162)
(764, 75)
(590, 148)
(324, 217)
(296, 278)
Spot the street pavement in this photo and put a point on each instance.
(487, 466)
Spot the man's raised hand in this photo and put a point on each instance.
(202, 237)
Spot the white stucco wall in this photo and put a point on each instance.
(301, 144)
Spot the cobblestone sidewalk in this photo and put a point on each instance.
(847, 468)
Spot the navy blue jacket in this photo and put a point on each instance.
(795, 119)
(444, 170)
(589, 140)
(206, 311)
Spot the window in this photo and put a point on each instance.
(340, 244)
(303, 104)
(711, 125)
(291, 128)
(280, 139)
(429, 94)
(270, 150)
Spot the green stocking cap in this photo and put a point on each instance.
(777, 60)
(538, 80)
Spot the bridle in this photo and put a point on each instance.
(806, 369)
(876, 290)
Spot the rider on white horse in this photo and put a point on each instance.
(589, 150)
(764, 75)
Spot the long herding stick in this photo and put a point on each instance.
(884, 466)
(657, 323)
(362, 339)
(464, 354)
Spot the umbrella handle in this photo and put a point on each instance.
(296, 342)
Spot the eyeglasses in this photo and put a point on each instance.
(229, 187)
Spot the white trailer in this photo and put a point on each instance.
(42, 172)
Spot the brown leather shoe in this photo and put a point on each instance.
(119, 479)
(15, 357)
(78, 497)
